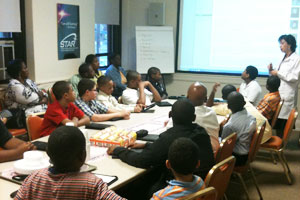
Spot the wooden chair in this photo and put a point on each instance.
(219, 176)
(277, 145)
(239, 170)
(275, 117)
(209, 193)
(51, 96)
(34, 125)
(226, 148)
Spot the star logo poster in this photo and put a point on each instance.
(68, 34)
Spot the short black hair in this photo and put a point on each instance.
(183, 112)
(132, 75)
(60, 88)
(103, 80)
(290, 39)
(84, 85)
(90, 58)
(227, 89)
(65, 145)
(151, 71)
(183, 156)
(252, 71)
(83, 68)
(273, 83)
(112, 56)
(236, 102)
(14, 68)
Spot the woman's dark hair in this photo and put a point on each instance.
(112, 56)
(14, 68)
(90, 58)
(290, 39)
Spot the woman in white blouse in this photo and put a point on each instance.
(288, 72)
(22, 97)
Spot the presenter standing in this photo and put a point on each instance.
(288, 72)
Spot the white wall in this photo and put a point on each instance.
(134, 13)
(41, 39)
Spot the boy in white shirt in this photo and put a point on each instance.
(106, 88)
(250, 89)
(136, 92)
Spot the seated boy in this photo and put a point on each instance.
(106, 87)
(62, 110)
(250, 89)
(268, 105)
(136, 92)
(96, 111)
(66, 149)
(12, 148)
(84, 71)
(183, 160)
(243, 124)
(154, 77)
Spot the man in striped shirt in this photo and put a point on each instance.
(183, 159)
(66, 149)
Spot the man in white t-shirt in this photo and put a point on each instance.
(136, 92)
(250, 89)
(205, 116)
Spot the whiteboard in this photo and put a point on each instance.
(154, 48)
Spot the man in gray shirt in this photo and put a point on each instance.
(243, 124)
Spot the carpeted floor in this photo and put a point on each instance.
(270, 177)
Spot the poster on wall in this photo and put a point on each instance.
(68, 38)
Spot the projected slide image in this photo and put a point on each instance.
(226, 36)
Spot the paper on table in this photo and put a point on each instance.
(97, 154)
(155, 126)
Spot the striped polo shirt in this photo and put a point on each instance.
(179, 189)
(43, 184)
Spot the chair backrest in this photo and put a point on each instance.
(275, 116)
(255, 142)
(219, 176)
(289, 126)
(51, 97)
(209, 193)
(226, 147)
(34, 125)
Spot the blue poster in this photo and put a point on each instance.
(68, 34)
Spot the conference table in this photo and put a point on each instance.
(153, 121)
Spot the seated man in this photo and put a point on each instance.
(85, 71)
(63, 180)
(155, 154)
(205, 116)
(136, 92)
(183, 160)
(241, 123)
(96, 111)
(12, 148)
(268, 105)
(62, 110)
(106, 87)
(250, 89)
(154, 77)
(222, 109)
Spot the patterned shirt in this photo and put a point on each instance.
(24, 96)
(268, 105)
(91, 107)
(177, 189)
(45, 185)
